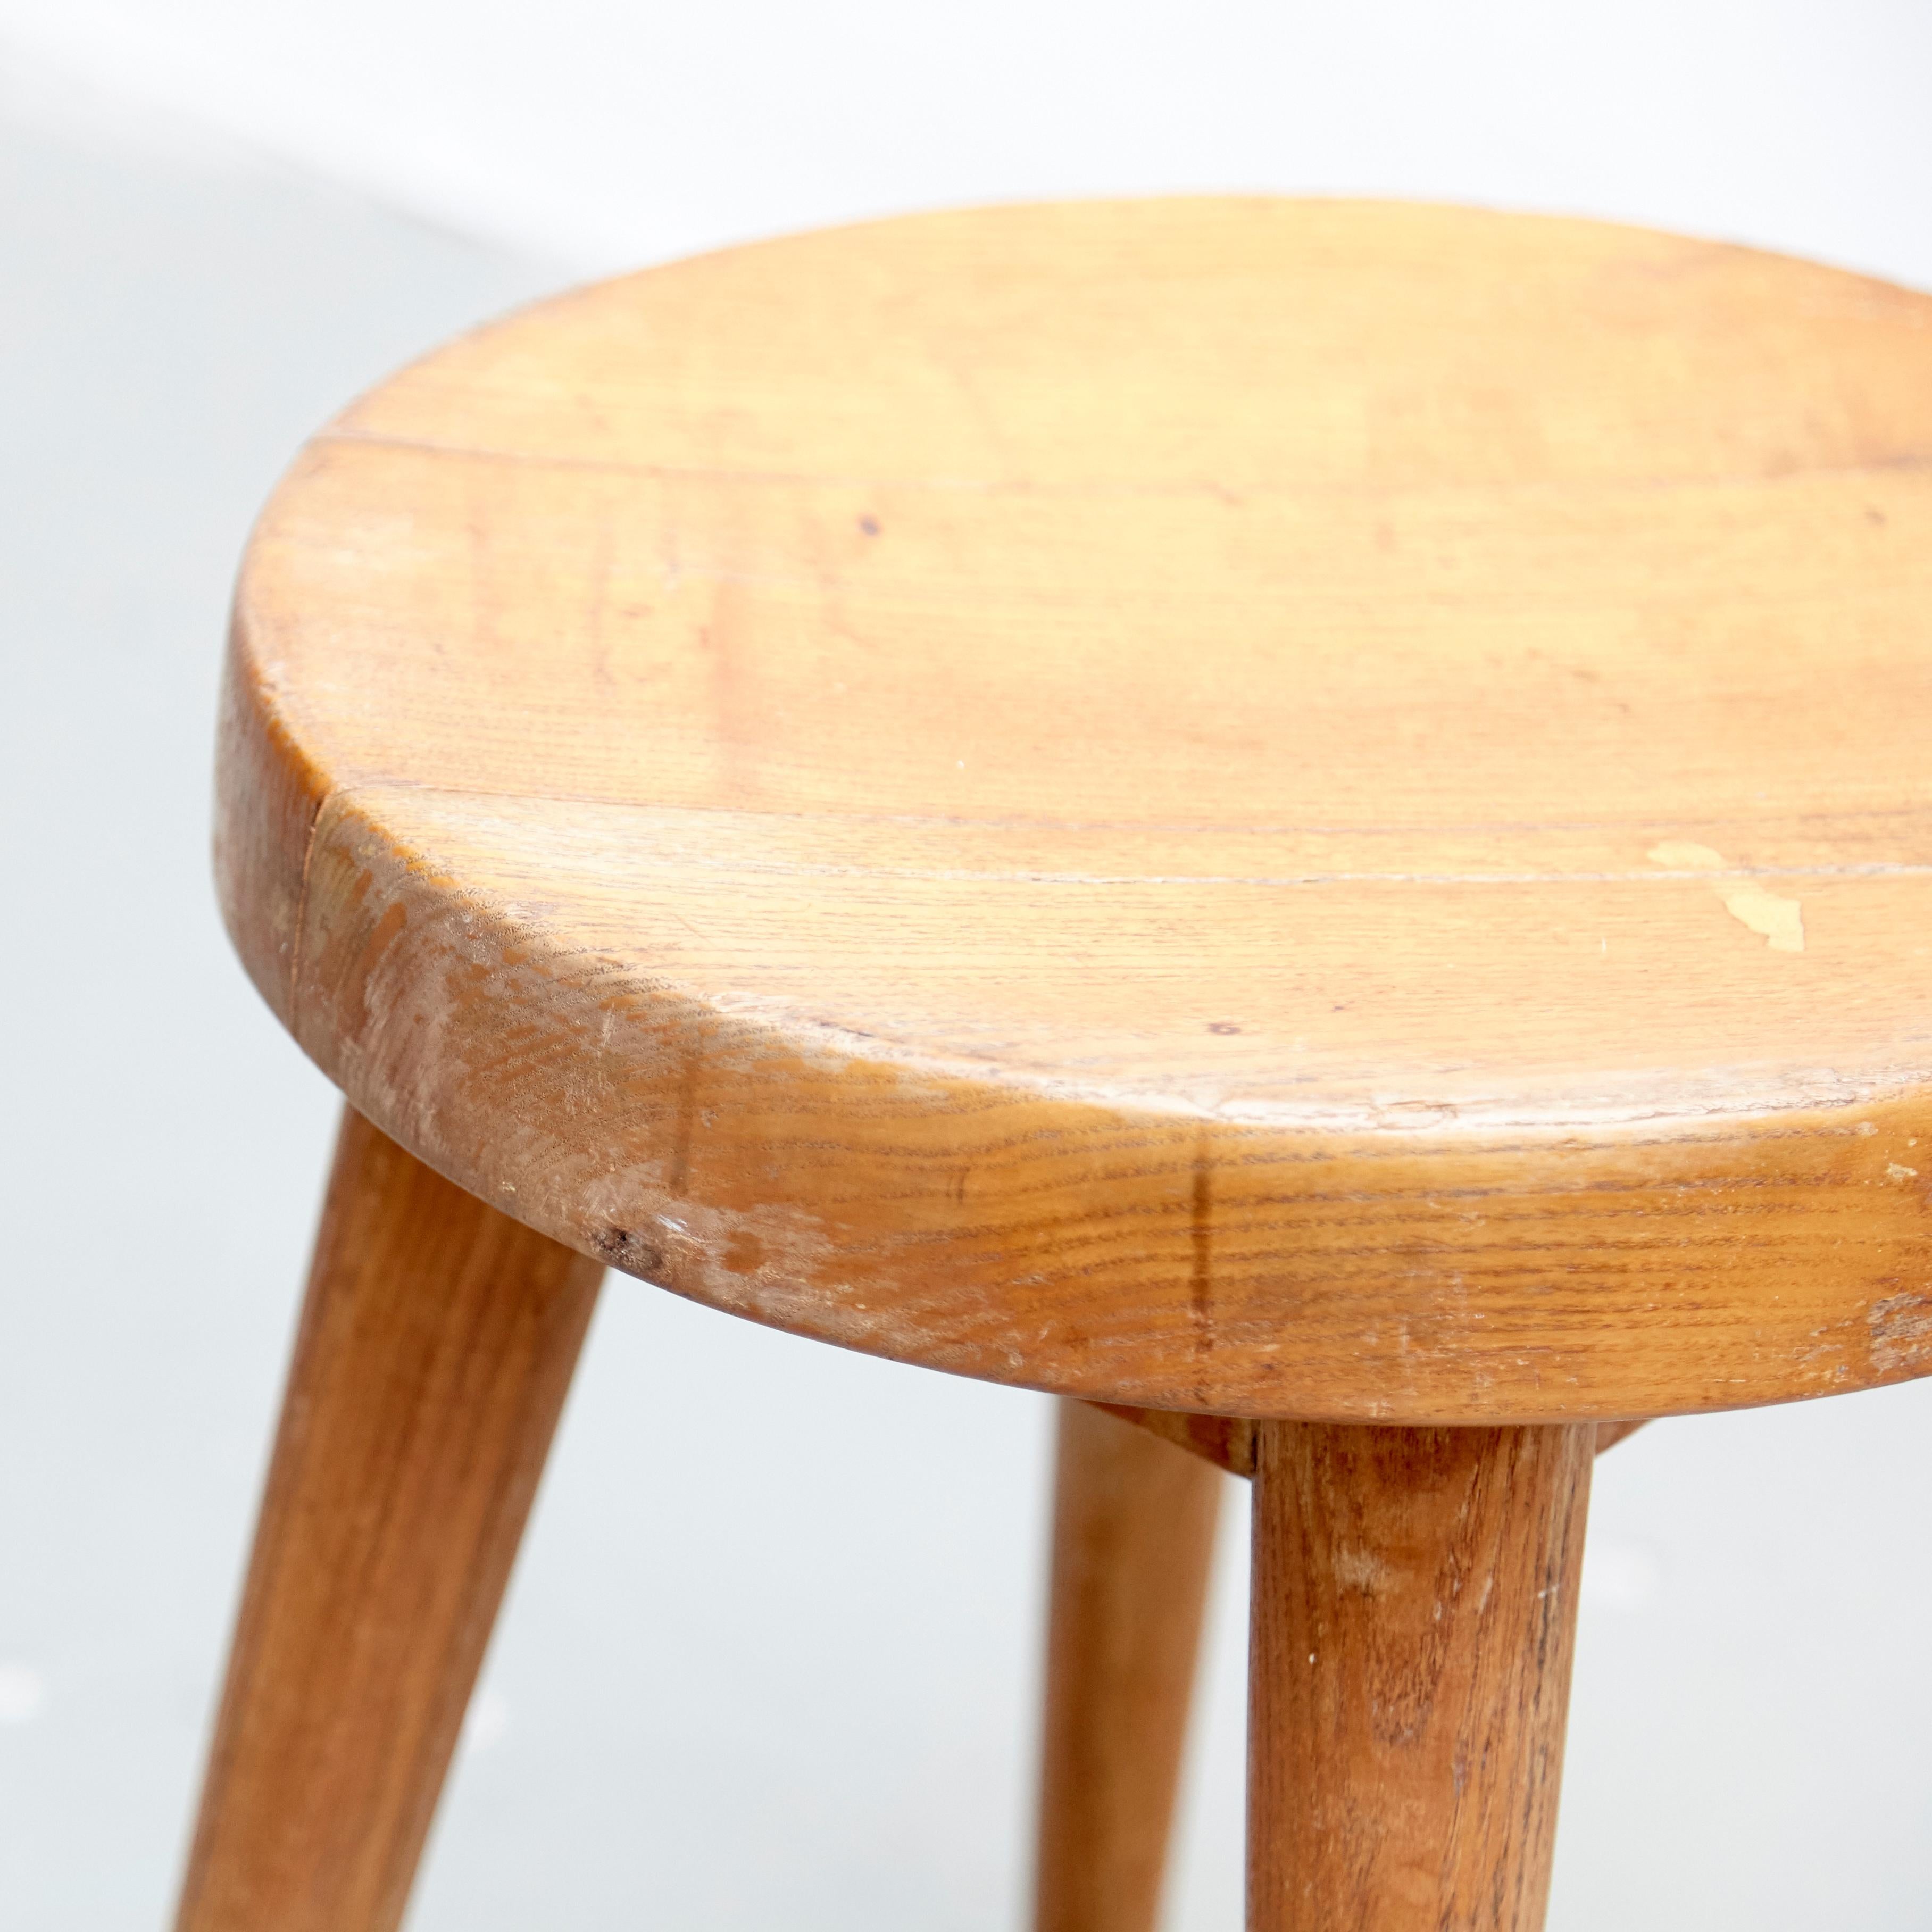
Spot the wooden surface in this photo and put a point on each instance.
(1266, 807)
(1415, 1610)
(436, 1344)
(1228, 1441)
(1133, 1543)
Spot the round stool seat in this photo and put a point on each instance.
(1287, 809)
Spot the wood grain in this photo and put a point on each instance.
(1133, 1541)
(1228, 1441)
(437, 1345)
(1263, 808)
(1415, 1606)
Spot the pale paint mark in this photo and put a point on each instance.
(1895, 1171)
(1779, 920)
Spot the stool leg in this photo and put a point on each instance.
(1133, 1537)
(1415, 1610)
(436, 1344)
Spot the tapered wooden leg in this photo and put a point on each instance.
(1133, 1537)
(435, 1347)
(1414, 1609)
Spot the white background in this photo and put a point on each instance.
(610, 131)
(770, 1661)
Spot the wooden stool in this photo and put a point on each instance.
(1305, 820)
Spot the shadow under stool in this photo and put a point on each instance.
(1308, 820)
